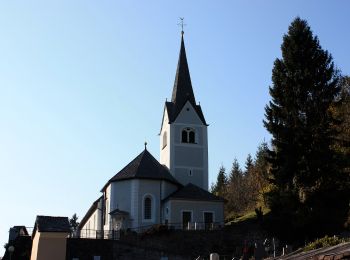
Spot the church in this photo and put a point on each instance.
(172, 191)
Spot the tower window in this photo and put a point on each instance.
(165, 140)
(188, 135)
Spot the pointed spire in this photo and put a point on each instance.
(182, 90)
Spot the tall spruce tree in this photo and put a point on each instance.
(236, 172)
(309, 195)
(248, 164)
(221, 182)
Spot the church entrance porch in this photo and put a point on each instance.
(120, 219)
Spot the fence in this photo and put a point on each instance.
(115, 234)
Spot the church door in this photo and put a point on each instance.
(208, 219)
(186, 218)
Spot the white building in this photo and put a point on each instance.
(173, 191)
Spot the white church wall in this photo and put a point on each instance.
(108, 201)
(188, 115)
(199, 130)
(166, 212)
(121, 196)
(189, 162)
(167, 189)
(187, 175)
(165, 148)
(151, 188)
(176, 207)
(90, 227)
(134, 199)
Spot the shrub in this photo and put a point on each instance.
(324, 242)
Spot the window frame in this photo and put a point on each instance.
(188, 135)
(152, 210)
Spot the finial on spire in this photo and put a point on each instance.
(145, 145)
(182, 24)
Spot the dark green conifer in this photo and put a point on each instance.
(221, 182)
(309, 194)
(236, 172)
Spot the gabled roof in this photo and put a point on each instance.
(51, 224)
(193, 192)
(119, 212)
(174, 111)
(144, 166)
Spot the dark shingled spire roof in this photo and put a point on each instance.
(182, 91)
(144, 166)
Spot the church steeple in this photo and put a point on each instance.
(182, 90)
(183, 133)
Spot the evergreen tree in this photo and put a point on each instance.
(309, 187)
(73, 222)
(221, 182)
(341, 110)
(248, 163)
(236, 172)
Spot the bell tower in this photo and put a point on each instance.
(183, 134)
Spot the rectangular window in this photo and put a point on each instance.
(97, 257)
(208, 220)
(186, 218)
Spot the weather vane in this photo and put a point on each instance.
(182, 24)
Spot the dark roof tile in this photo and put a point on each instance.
(193, 192)
(51, 224)
(144, 166)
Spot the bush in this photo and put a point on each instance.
(324, 242)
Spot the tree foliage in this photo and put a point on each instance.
(309, 187)
(219, 187)
(244, 190)
(73, 222)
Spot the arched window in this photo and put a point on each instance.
(165, 140)
(184, 136)
(148, 208)
(191, 137)
(188, 135)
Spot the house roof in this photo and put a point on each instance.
(144, 166)
(193, 192)
(91, 210)
(22, 230)
(51, 224)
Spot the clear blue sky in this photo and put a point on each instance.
(83, 84)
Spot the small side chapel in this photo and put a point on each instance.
(173, 191)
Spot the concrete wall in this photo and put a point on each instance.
(49, 246)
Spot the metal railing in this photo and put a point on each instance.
(115, 234)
